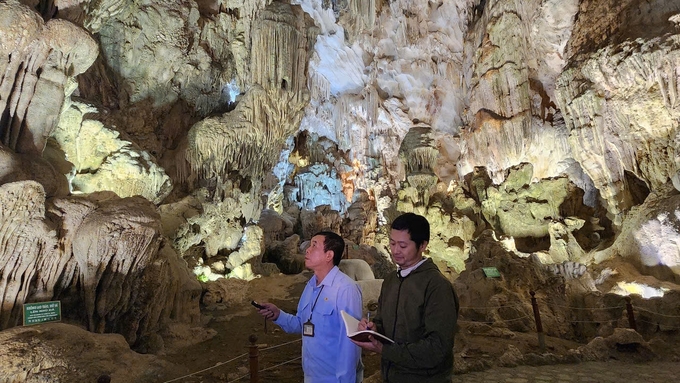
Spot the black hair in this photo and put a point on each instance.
(416, 225)
(333, 242)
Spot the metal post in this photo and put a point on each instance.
(253, 353)
(537, 318)
(631, 315)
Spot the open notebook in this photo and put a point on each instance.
(352, 325)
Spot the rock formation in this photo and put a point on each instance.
(59, 352)
(103, 256)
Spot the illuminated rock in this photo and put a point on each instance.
(102, 161)
(647, 237)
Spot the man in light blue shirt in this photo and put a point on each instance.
(328, 355)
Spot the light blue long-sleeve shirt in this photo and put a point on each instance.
(329, 356)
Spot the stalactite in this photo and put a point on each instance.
(248, 139)
(418, 150)
(343, 124)
(364, 13)
(667, 79)
(301, 59)
(371, 105)
(422, 159)
(251, 7)
(319, 86)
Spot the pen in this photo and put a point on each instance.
(368, 317)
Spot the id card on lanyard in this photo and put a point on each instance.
(308, 327)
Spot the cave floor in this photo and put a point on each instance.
(596, 372)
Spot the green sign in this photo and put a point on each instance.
(491, 272)
(42, 312)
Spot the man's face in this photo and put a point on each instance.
(404, 251)
(315, 256)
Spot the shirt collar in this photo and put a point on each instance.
(327, 280)
(404, 272)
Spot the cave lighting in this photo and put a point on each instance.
(657, 240)
(635, 288)
(231, 91)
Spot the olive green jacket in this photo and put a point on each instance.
(419, 312)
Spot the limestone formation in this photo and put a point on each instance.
(28, 242)
(321, 218)
(38, 61)
(24, 167)
(357, 269)
(362, 218)
(370, 292)
(240, 146)
(622, 344)
(249, 139)
(568, 269)
(286, 255)
(59, 352)
(99, 277)
(102, 256)
(647, 237)
(98, 159)
(275, 227)
(625, 97)
(511, 68)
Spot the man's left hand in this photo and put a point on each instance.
(374, 345)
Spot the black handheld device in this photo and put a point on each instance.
(257, 305)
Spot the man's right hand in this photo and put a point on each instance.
(364, 324)
(270, 311)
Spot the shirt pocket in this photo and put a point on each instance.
(326, 323)
(325, 307)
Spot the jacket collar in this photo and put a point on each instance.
(403, 273)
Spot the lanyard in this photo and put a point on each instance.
(311, 312)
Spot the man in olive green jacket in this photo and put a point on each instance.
(417, 308)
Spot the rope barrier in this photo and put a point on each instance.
(502, 320)
(659, 325)
(655, 313)
(547, 303)
(265, 369)
(281, 345)
(588, 308)
(550, 305)
(486, 307)
(473, 321)
(516, 319)
(281, 364)
(233, 359)
(593, 321)
(206, 369)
